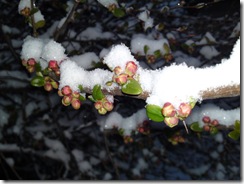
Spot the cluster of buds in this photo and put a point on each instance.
(128, 139)
(172, 116)
(151, 59)
(50, 84)
(209, 124)
(144, 128)
(176, 138)
(168, 57)
(121, 76)
(29, 64)
(103, 106)
(53, 66)
(70, 97)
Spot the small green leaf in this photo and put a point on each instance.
(33, 11)
(132, 87)
(82, 98)
(39, 24)
(166, 48)
(118, 12)
(80, 88)
(154, 113)
(37, 81)
(157, 53)
(97, 93)
(146, 48)
(91, 98)
(237, 126)
(214, 130)
(38, 67)
(195, 127)
(234, 135)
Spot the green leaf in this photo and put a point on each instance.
(214, 130)
(154, 113)
(38, 67)
(118, 12)
(234, 135)
(237, 126)
(91, 98)
(157, 53)
(195, 127)
(80, 88)
(146, 48)
(132, 87)
(37, 81)
(82, 98)
(97, 93)
(33, 11)
(39, 24)
(166, 48)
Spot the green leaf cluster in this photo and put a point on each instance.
(235, 134)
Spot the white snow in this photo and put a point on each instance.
(23, 4)
(38, 16)
(208, 38)
(86, 60)
(107, 176)
(139, 41)
(236, 31)
(147, 20)
(107, 3)
(209, 52)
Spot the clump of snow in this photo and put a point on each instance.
(86, 60)
(147, 20)
(38, 16)
(225, 117)
(23, 4)
(208, 38)
(53, 51)
(107, 3)
(94, 33)
(139, 41)
(209, 52)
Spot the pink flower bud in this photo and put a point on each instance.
(168, 110)
(121, 79)
(66, 90)
(206, 128)
(76, 94)
(130, 68)
(118, 70)
(31, 62)
(66, 100)
(48, 86)
(215, 122)
(102, 111)
(184, 110)
(98, 105)
(76, 103)
(60, 93)
(108, 105)
(171, 121)
(206, 119)
(53, 65)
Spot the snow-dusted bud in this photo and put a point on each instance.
(48, 86)
(66, 90)
(206, 119)
(121, 79)
(76, 103)
(66, 100)
(168, 109)
(25, 11)
(53, 65)
(108, 105)
(184, 110)
(118, 70)
(171, 121)
(131, 68)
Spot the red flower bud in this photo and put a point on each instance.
(48, 86)
(171, 121)
(76, 103)
(168, 110)
(121, 79)
(53, 65)
(66, 90)
(215, 122)
(206, 119)
(130, 68)
(98, 105)
(184, 110)
(31, 62)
